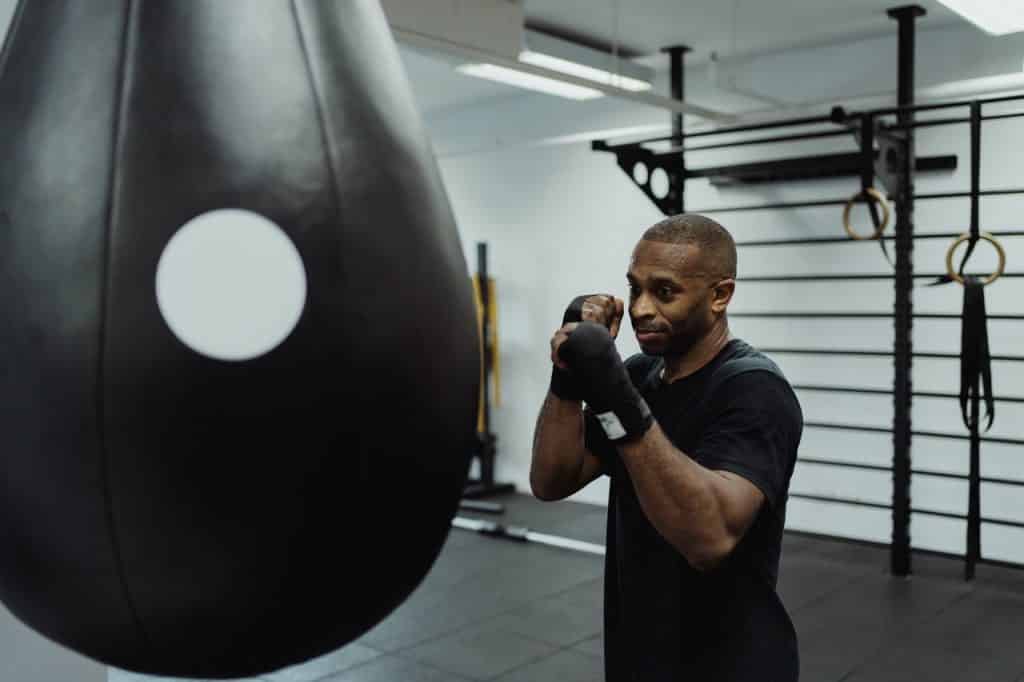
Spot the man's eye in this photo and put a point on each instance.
(665, 291)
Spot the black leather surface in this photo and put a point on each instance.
(174, 514)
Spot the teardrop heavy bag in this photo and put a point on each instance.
(240, 365)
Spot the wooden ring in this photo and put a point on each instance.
(984, 237)
(875, 195)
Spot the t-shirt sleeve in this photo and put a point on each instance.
(753, 431)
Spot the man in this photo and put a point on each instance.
(699, 435)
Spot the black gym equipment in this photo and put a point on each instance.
(161, 511)
(484, 484)
(885, 141)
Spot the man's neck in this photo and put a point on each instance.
(703, 352)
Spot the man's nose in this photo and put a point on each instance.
(641, 308)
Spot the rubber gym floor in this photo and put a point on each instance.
(494, 609)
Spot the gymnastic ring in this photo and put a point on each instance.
(984, 237)
(879, 198)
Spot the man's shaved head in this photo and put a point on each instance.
(717, 250)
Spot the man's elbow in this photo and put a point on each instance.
(710, 554)
(546, 497)
(542, 491)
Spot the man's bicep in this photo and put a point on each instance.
(591, 470)
(754, 435)
(740, 500)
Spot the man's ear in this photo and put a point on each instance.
(722, 294)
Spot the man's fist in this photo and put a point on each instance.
(603, 309)
(594, 364)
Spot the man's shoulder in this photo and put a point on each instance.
(739, 357)
(748, 372)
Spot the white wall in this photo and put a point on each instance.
(561, 220)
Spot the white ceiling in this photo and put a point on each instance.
(743, 27)
(440, 89)
(740, 28)
(730, 27)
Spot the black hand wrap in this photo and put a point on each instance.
(591, 355)
(563, 384)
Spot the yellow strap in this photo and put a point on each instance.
(495, 356)
(492, 320)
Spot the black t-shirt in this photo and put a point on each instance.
(665, 621)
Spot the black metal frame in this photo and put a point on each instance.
(886, 153)
(486, 452)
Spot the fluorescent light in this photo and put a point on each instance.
(997, 17)
(975, 86)
(583, 71)
(467, 53)
(521, 79)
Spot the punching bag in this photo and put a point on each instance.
(240, 365)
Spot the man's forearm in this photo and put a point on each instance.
(557, 446)
(678, 496)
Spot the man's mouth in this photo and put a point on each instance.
(647, 334)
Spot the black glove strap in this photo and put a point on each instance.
(628, 422)
(975, 360)
(563, 384)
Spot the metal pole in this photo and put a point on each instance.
(677, 75)
(523, 534)
(903, 304)
(485, 331)
(974, 473)
(974, 484)
(486, 449)
(975, 165)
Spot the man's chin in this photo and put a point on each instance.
(653, 347)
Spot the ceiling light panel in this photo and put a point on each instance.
(529, 81)
(998, 17)
(578, 60)
(583, 71)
